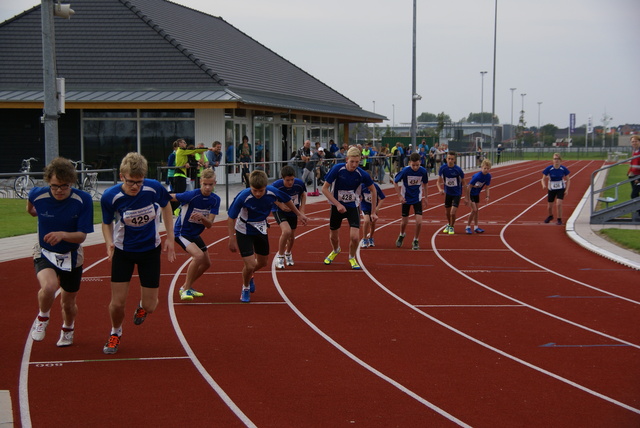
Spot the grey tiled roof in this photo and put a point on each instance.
(132, 50)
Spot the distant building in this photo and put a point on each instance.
(142, 73)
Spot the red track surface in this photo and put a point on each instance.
(515, 327)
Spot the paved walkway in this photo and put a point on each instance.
(578, 228)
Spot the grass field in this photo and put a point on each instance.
(16, 221)
(624, 237)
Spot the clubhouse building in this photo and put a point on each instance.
(141, 73)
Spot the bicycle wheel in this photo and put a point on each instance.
(23, 185)
(88, 186)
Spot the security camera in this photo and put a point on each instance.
(417, 97)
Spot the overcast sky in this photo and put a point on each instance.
(574, 56)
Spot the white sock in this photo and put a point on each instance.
(68, 327)
(117, 331)
(44, 314)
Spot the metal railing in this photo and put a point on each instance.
(595, 193)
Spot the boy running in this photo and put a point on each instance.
(555, 178)
(247, 224)
(134, 239)
(347, 178)
(481, 179)
(452, 177)
(412, 193)
(288, 221)
(198, 210)
(369, 226)
(65, 216)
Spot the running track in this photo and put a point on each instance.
(515, 327)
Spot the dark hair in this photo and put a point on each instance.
(415, 157)
(63, 169)
(287, 171)
(244, 137)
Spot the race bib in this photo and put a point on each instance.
(367, 197)
(260, 226)
(451, 182)
(61, 261)
(556, 185)
(295, 199)
(139, 217)
(414, 180)
(346, 196)
(203, 212)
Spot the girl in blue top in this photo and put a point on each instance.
(131, 229)
(247, 226)
(555, 178)
(480, 180)
(198, 210)
(65, 216)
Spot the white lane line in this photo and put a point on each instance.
(354, 358)
(194, 359)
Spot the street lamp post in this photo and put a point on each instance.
(414, 95)
(511, 133)
(482, 73)
(522, 118)
(539, 133)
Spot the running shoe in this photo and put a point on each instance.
(548, 219)
(451, 231)
(468, 230)
(332, 255)
(371, 243)
(111, 347)
(364, 243)
(66, 338)
(559, 222)
(446, 229)
(289, 259)
(139, 316)
(354, 264)
(186, 295)
(416, 245)
(39, 328)
(245, 296)
(478, 230)
(399, 241)
(280, 262)
(196, 293)
(252, 286)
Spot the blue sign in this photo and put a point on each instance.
(572, 122)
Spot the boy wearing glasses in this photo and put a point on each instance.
(65, 216)
(130, 225)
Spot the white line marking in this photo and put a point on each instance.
(106, 360)
(357, 360)
(194, 359)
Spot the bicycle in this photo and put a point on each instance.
(90, 181)
(24, 183)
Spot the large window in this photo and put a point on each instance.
(110, 134)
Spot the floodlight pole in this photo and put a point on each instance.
(50, 112)
(493, 96)
(414, 124)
